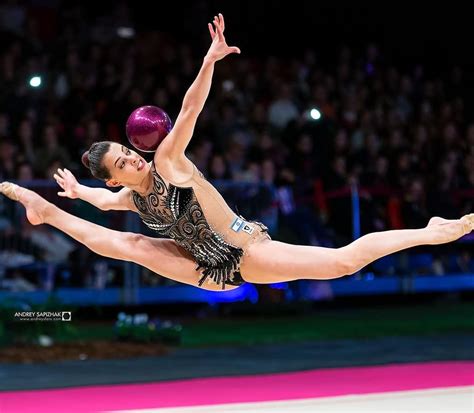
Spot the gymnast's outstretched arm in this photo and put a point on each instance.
(170, 153)
(101, 198)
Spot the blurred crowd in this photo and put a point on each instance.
(311, 129)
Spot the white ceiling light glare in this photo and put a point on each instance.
(35, 81)
(125, 32)
(315, 114)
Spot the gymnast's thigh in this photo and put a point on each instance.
(166, 258)
(271, 261)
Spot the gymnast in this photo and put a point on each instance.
(206, 244)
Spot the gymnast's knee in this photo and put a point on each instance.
(347, 262)
(130, 245)
(133, 238)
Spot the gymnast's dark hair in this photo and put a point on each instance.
(93, 160)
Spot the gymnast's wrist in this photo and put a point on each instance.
(209, 60)
(79, 189)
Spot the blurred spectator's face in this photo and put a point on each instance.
(305, 144)
(372, 142)
(268, 171)
(254, 171)
(236, 151)
(343, 71)
(265, 141)
(251, 81)
(366, 119)
(187, 66)
(204, 150)
(449, 133)
(426, 108)
(25, 130)
(128, 68)
(161, 98)
(93, 130)
(136, 97)
(429, 89)
(172, 84)
(394, 118)
(446, 111)
(25, 172)
(339, 165)
(406, 85)
(8, 67)
(72, 59)
(259, 113)
(469, 163)
(228, 113)
(110, 71)
(7, 151)
(421, 134)
(50, 137)
(330, 83)
(218, 167)
(381, 166)
(285, 92)
(395, 139)
(96, 53)
(447, 169)
(320, 94)
(341, 140)
(403, 162)
(417, 190)
(452, 157)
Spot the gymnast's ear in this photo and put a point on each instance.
(112, 183)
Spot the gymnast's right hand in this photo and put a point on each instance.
(68, 182)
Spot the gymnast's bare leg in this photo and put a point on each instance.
(273, 261)
(162, 256)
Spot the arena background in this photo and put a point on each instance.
(336, 120)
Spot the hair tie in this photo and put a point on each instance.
(85, 159)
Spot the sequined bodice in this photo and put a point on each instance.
(175, 212)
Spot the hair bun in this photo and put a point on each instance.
(85, 159)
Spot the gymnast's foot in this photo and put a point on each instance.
(447, 230)
(468, 221)
(34, 204)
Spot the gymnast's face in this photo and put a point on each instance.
(126, 167)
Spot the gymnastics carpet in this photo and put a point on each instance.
(414, 387)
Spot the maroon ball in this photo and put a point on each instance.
(147, 126)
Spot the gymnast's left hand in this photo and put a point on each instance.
(219, 48)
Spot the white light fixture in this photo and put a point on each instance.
(35, 81)
(315, 114)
